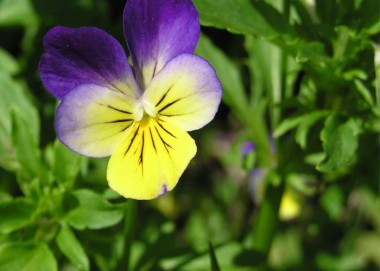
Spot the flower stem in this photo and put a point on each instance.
(266, 222)
(129, 233)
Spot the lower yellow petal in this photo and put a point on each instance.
(150, 161)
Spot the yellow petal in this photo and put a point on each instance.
(150, 161)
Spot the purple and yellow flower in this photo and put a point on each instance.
(139, 115)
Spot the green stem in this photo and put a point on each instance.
(129, 233)
(266, 222)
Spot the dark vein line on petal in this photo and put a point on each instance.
(163, 128)
(116, 109)
(154, 69)
(141, 159)
(132, 140)
(121, 120)
(169, 104)
(163, 97)
(166, 145)
(151, 136)
(126, 127)
(179, 115)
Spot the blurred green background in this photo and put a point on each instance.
(301, 83)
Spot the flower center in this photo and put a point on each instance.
(145, 120)
(144, 111)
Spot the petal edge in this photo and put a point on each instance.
(85, 55)
(157, 31)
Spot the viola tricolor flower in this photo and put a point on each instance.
(139, 115)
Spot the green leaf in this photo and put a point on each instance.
(66, 164)
(227, 255)
(245, 17)
(26, 148)
(332, 200)
(364, 92)
(16, 12)
(292, 122)
(308, 26)
(7, 63)
(16, 214)
(304, 127)
(340, 142)
(214, 261)
(54, 12)
(368, 14)
(27, 257)
(14, 97)
(228, 73)
(93, 211)
(72, 248)
(313, 52)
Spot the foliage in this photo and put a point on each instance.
(301, 81)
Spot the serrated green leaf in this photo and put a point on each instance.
(292, 122)
(340, 141)
(72, 248)
(93, 211)
(228, 73)
(27, 257)
(245, 17)
(213, 260)
(15, 214)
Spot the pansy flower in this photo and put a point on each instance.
(139, 114)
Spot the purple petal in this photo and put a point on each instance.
(247, 147)
(157, 31)
(84, 55)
